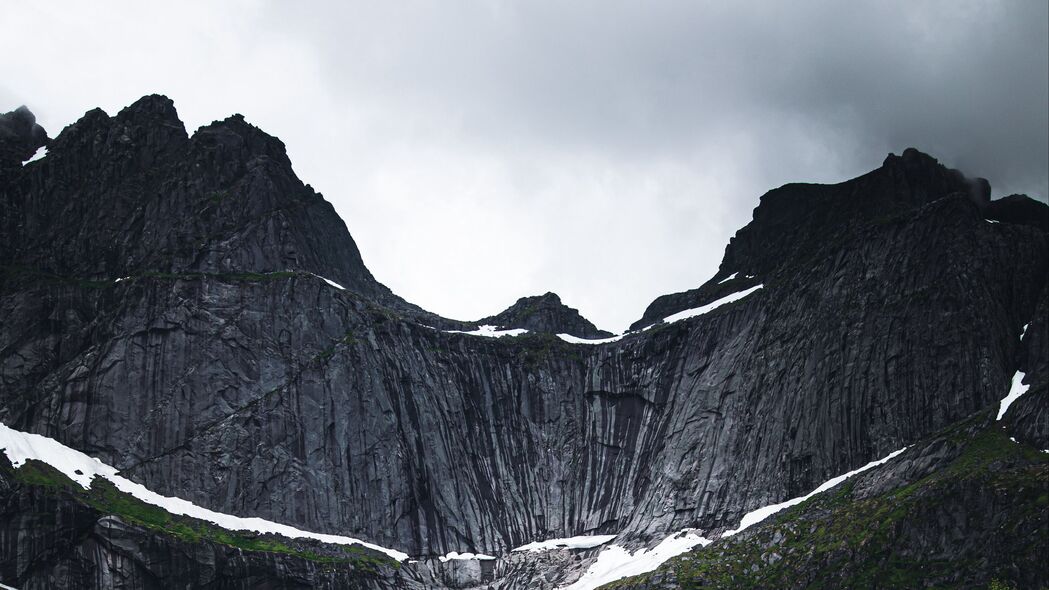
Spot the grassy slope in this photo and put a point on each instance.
(980, 521)
(104, 497)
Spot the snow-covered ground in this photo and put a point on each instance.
(697, 311)
(22, 446)
(681, 315)
(455, 555)
(490, 332)
(577, 340)
(494, 332)
(615, 562)
(579, 542)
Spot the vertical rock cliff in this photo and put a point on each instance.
(184, 308)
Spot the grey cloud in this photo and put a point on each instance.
(962, 79)
(606, 150)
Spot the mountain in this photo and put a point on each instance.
(182, 308)
(545, 313)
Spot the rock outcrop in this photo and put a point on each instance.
(164, 307)
(20, 137)
(546, 314)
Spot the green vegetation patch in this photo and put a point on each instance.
(348, 339)
(104, 497)
(537, 348)
(18, 274)
(840, 540)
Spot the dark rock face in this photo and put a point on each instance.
(222, 371)
(1019, 209)
(797, 221)
(132, 194)
(1028, 417)
(546, 314)
(20, 137)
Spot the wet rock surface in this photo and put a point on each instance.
(221, 368)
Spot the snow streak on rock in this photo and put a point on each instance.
(490, 332)
(577, 340)
(615, 563)
(40, 154)
(755, 516)
(455, 555)
(330, 282)
(728, 278)
(1016, 389)
(697, 311)
(22, 446)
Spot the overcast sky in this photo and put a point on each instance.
(604, 150)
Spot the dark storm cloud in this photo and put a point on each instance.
(606, 150)
(964, 80)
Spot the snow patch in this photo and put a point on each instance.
(728, 278)
(755, 516)
(330, 282)
(697, 311)
(1024, 331)
(991, 220)
(40, 154)
(577, 340)
(455, 555)
(1016, 389)
(22, 446)
(579, 542)
(615, 562)
(490, 332)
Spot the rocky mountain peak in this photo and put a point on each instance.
(1019, 209)
(129, 194)
(235, 138)
(141, 137)
(927, 177)
(795, 221)
(545, 313)
(157, 311)
(151, 109)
